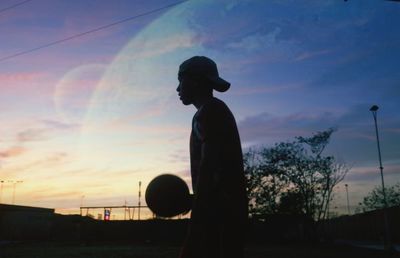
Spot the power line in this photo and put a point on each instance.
(14, 5)
(90, 31)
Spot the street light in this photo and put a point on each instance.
(14, 188)
(82, 197)
(1, 190)
(140, 195)
(80, 208)
(374, 110)
(348, 203)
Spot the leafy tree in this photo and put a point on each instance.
(293, 177)
(263, 185)
(374, 199)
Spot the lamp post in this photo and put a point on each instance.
(82, 197)
(374, 110)
(80, 208)
(14, 189)
(140, 195)
(348, 203)
(1, 190)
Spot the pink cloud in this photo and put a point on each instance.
(12, 152)
(25, 88)
(22, 77)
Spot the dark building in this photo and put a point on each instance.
(25, 223)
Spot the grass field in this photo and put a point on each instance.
(124, 250)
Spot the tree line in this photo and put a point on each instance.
(296, 178)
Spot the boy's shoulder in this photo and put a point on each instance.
(214, 106)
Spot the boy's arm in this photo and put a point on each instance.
(201, 210)
(209, 169)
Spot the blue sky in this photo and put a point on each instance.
(93, 116)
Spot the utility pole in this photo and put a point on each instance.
(348, 203)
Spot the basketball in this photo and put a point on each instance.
(168, 196)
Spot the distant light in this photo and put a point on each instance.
(374, 108)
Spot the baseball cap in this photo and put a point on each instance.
(202, 66)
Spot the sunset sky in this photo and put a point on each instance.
(85, 120)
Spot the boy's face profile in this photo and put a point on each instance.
(187, 89)
(198, 77)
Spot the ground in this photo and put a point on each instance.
(149, 250)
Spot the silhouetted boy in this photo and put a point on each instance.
(219, 212)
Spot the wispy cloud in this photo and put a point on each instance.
(30, 135)
(180, 156)
(48, 129)
(267, 127)
(256, 41)
(167, 45)
(158, 46)
(244, 90)
(307, 55)
(51, 193)
(38, 164)
(54, 124)
(372, 173)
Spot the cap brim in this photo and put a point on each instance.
(220, 84)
